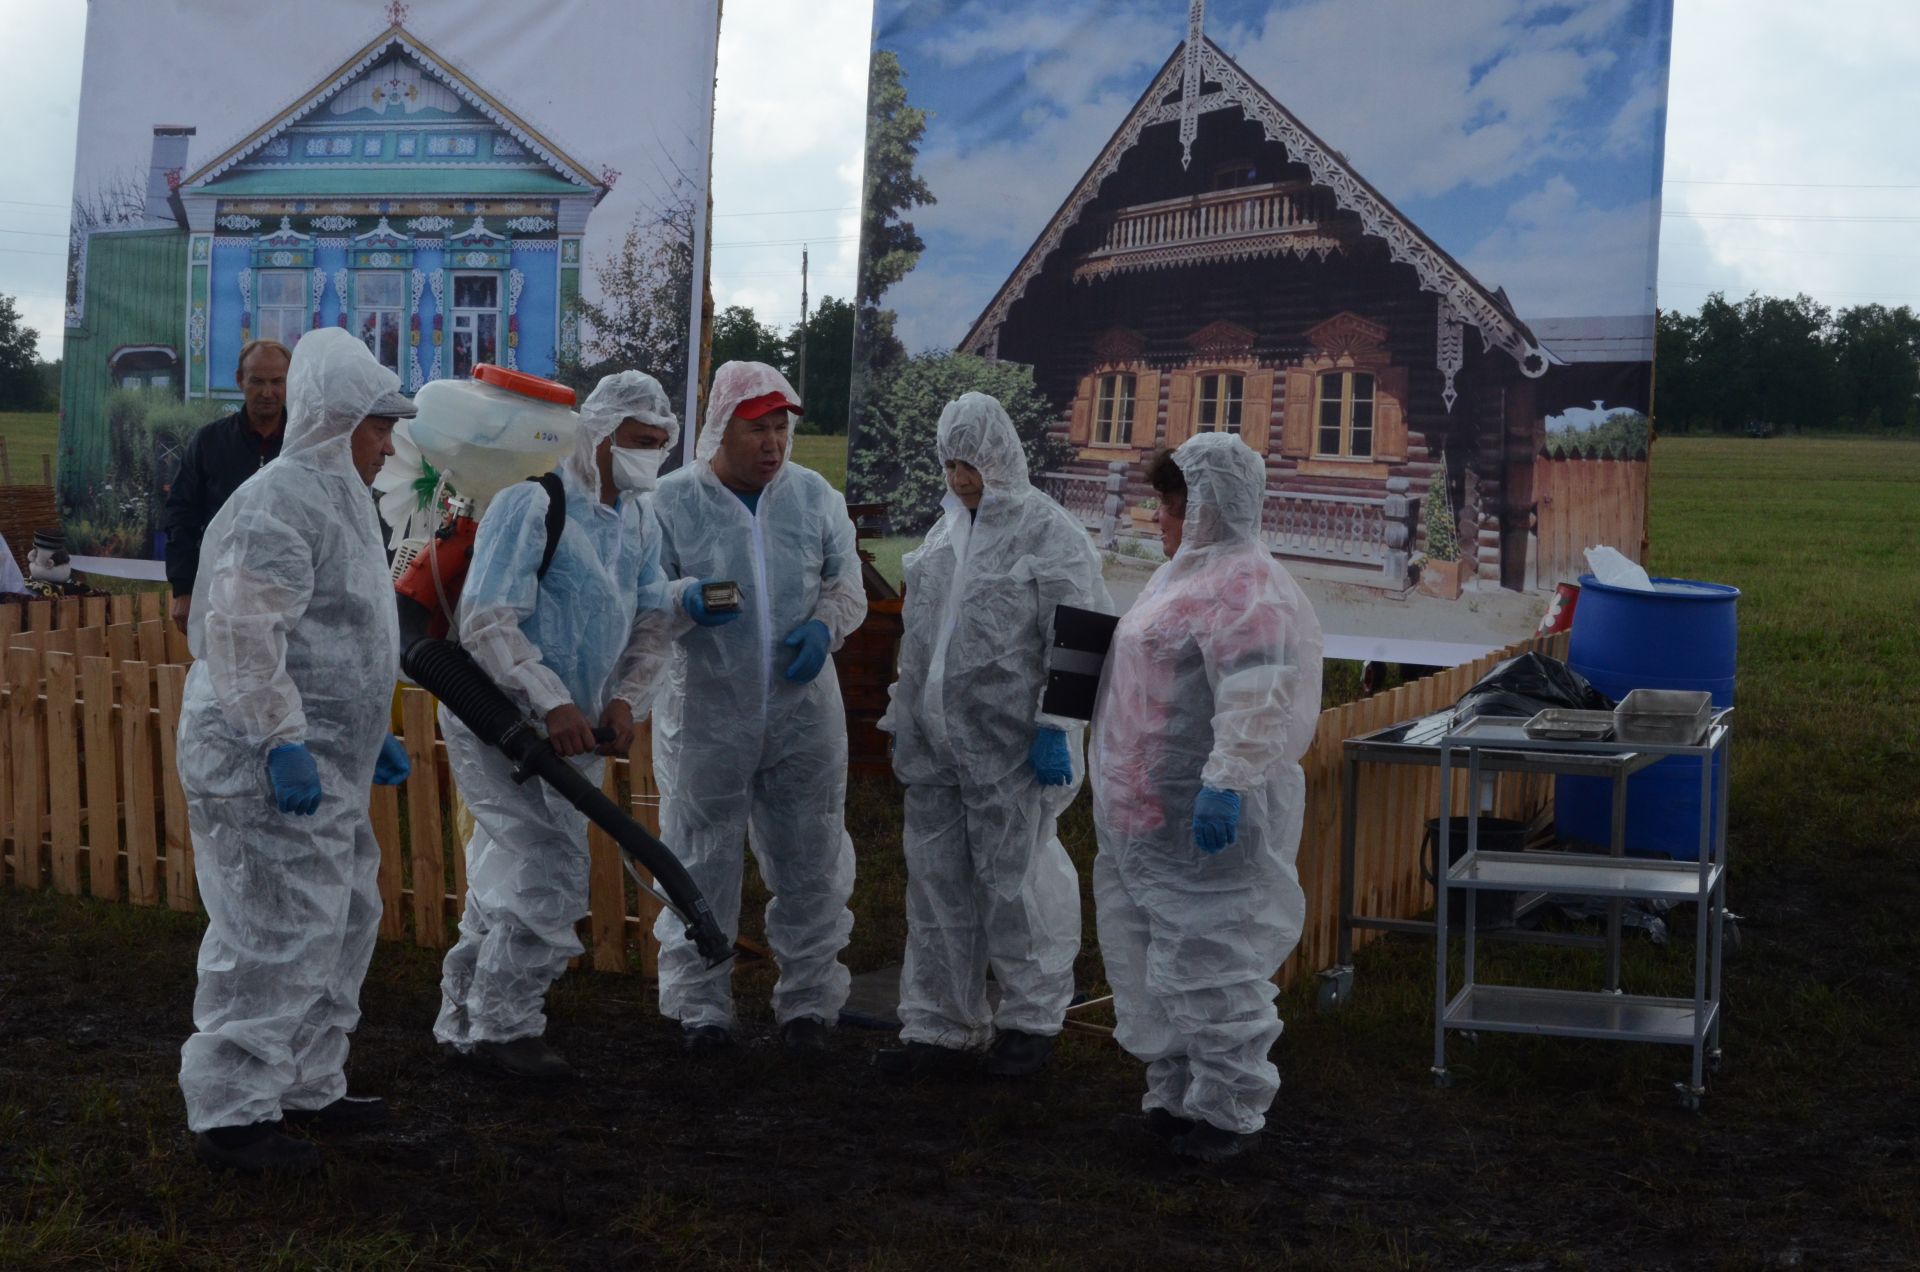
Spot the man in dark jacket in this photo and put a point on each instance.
(221, 456)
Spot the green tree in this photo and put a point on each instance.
(829, 365)
(20, 388)
(889, 245)
(1877, 356)
(50, 383)
(640, 321)
(897, 462)
(739, 336)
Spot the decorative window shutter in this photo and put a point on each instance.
(1256, 410)
(1390, 414)
(1296, 434)
(1179, 409)
(1080, 423)
(1146, 408)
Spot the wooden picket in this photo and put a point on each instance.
(103, 780)
(63, 774)
(89, 777)
(136, 733)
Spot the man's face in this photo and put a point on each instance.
(964, 480)
(1173, 522)
(372, 442)
(752, 451)
(263, 381)
(636, 435)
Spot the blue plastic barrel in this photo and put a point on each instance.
(1678, 636)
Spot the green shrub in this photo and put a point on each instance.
(1443, 534)
(898, 464)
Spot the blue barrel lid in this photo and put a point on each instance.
(1667, 589)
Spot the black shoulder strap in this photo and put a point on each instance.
(556, 519)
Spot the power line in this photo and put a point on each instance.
(791, 242)
(33, 233)
(21, 251)
(22, 203)
(1791, 185)
(851, 207)
(1828, 217)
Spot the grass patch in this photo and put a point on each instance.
(825, 453)
(30, 436)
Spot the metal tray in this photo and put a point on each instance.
(1563, 724)
(1663, 717)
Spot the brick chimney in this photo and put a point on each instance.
(164, 171)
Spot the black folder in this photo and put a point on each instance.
(1081, 639)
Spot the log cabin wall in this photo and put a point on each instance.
(1259, 318)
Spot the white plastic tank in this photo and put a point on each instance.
(489, 432)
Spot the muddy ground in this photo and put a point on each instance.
(1544, 1154)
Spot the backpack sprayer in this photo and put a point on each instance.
(449, 673)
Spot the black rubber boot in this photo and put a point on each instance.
(1209, 1143)
(1158, 1123)
(258, 1149)
(804, 1035)
(348, 1113)
(706, 1040)
(1018, 1055)
(528, 1057)
(924, 1059)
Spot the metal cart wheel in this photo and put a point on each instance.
(1690, 1098)
(1442, 1078)
(1336, 988)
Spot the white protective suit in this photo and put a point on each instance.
(740, 752)
(1213, 680)
(987, 881)
(296, 639)
(597, 628)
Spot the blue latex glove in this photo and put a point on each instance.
(393, 767)
(811, 639)
(295, 778)
(695, 603)
(1216, 819)
(1048, 757)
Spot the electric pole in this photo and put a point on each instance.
(803, 326)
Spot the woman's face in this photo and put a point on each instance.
(963, 479)
(1173, 522)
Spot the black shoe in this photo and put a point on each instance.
(1208, 1143)
(706, 1040)
(255, 1150)
(1158, 1123)
(348, 1113)
(919, 1059)
(528, 1057)
(1018, 1055)
(804, 1035)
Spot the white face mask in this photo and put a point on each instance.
(637, 471)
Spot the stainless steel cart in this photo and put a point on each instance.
(1694, 1022)
(1417, 742)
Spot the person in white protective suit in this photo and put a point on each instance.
(583, 646)
(1209, 700)
(987, 771)
(750, 738)
(282, 729)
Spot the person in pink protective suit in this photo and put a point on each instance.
(1209, 701)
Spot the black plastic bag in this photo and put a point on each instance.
(1529, 684)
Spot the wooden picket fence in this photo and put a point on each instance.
(90, 801)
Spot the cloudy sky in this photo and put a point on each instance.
(1789, 165)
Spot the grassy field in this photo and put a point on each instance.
(826, 455)
(1546, 1154)
(30, 436)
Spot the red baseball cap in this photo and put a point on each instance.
(754, 407)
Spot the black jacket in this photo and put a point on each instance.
(221, 456)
